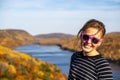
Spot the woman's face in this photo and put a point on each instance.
(90, 40)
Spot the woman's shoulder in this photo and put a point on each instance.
(101, 59)
(78, 53)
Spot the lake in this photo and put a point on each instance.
(57, 56)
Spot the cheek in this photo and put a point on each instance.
(97, 45)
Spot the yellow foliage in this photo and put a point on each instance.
(51, 76)
(13, 55)
(19, 38)
(40, 62)
(4, 50)
(24, 56)
(4, 79)
(38, 79)
(20, 66)
(58, 76)
(35, 69)
(34, 61)
(41, 74)
(20, 77)
(3, 67)
(12, 69)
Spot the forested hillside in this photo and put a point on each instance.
(13, 38)
(20, 66)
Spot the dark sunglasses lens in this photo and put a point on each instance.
(95, 40)
(85, 37)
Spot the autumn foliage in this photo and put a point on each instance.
(20, 66)
(13, 38)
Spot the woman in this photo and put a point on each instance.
(89, 64)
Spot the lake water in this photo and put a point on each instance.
(61, 58)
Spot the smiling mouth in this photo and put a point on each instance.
(87, 45)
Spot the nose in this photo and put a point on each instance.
(89, 41)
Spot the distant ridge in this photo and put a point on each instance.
(14, 37)
(113, 33)
(54, 35)
(13, 32)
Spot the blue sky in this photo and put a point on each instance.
(64, 16)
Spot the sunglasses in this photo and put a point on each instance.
(86, 37)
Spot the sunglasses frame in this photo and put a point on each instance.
(90, 38)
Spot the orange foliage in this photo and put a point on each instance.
(20, 66)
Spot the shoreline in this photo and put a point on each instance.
(116, 62)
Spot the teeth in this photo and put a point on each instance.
(87, 46)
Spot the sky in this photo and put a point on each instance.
(58, 16)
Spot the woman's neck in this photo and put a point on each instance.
(92, 53)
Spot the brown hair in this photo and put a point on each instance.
(93, 23)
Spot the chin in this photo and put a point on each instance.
(86, 50)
